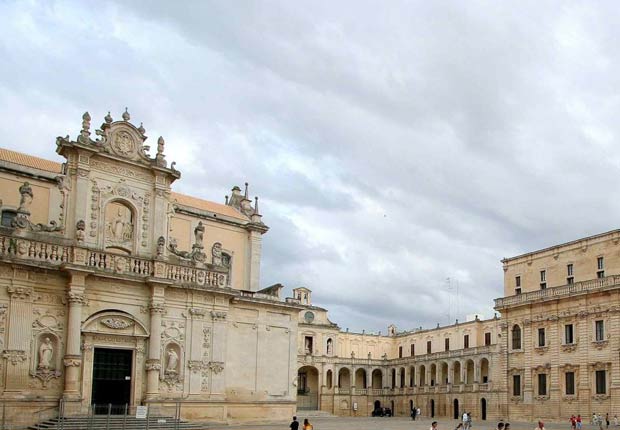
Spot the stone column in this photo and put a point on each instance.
(73, 355)
(153, 361)
(450, 372)
(18, 336)
(254, 251)
(218, 356)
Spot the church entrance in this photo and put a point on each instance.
(111, 380)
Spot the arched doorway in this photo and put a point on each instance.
(432, 408)
(455, 415)
(410, 406)
(360, 378)
(377, 379)
(392, 407)
(483, 408)
(308, 388)
(344, 379)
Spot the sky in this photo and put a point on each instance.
(400, 150)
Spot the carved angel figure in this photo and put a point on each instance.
(46, 351)
(199, 233)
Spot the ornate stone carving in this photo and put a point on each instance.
(25, 191)
(80, 226)
(195, 366)
(76, 298)
(119, 170)
(197, 312)
(117, 323)
(218, 316)
(72, 362)
(216, 367)
(123, 144)
(157, 308)
(14, 356)
(119, 226)
(19, 293)
(153, 364)
(216, 253)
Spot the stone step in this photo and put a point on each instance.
(313, 414)
(115, 422)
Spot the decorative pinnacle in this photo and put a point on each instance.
(226, 198)
(86, 122)
(160, 145)
(108, 118)
(246, 191)
(256, 206)
(126, 116)
(141, 129)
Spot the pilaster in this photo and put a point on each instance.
(218, 356)
(73, 355)
(18, 336)
(153, 362)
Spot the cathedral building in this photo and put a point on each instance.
(115, 290)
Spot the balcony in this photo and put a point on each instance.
(583, 287)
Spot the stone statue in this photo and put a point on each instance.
(80, 226)
(120, 228)
(199, 233)
(369, 355)
(173, 361)
(46, 351)
(216, 252)
(160, 145)
(352, 354)
(161, 242)
(26, 198)
(329, 347)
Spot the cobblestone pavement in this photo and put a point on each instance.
(396, 423)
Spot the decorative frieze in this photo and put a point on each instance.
(14, 356)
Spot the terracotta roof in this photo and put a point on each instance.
(29, 161)
(207, 205)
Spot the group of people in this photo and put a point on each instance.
(415, 412)
(295, 424)
(596, 419)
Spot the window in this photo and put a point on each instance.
(600, 330)
(569, 270)
(600, 265)
(541, 337)
(487, 339)
(601, 382)
(308, 344)
(516, 385)
(543, 285)
(518, 291)
(412, 349)
(428, 347)
(400, 352)
(569, 379)
(570, 280)
(568, 334)
(516, 337)
(446, 344)
(466, 341)
(7, 218)
(542, 384)
(543, 276)
(517, 281)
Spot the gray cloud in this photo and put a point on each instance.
(392, 147)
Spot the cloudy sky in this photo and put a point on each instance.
(393, 145)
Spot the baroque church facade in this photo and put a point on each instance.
(116, 290)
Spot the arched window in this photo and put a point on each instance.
(516, 337)
(330, 347)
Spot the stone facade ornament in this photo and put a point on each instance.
(218, 316)
(216, 367)
(216, 253)
(117, 323)
(14, 356)
(161, 244)
(80, 235)
(153, 364)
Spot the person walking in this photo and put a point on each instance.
(469, 423)
(307, 425)
(579, 422)
(541, 426)
(295, 424)
(465, 421)
(607, 420)
(573, 422)
(615, 420)
(413, 413)
(433, 425)
(500, 426)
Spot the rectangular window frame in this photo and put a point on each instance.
(599, 330)
(487, 338)
(542, 341)
(569, 334)
(541, 388)
(570, 272)
(569, 383)
(466, 341)
(600, 382)
(516, 385)
(429, 347)
(446, 344)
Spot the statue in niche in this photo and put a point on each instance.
(173, 361)
(119, 226)
(26, 197)
(216, 252)
(46, 351)
(329, 347)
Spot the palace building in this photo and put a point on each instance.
(115, 290)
